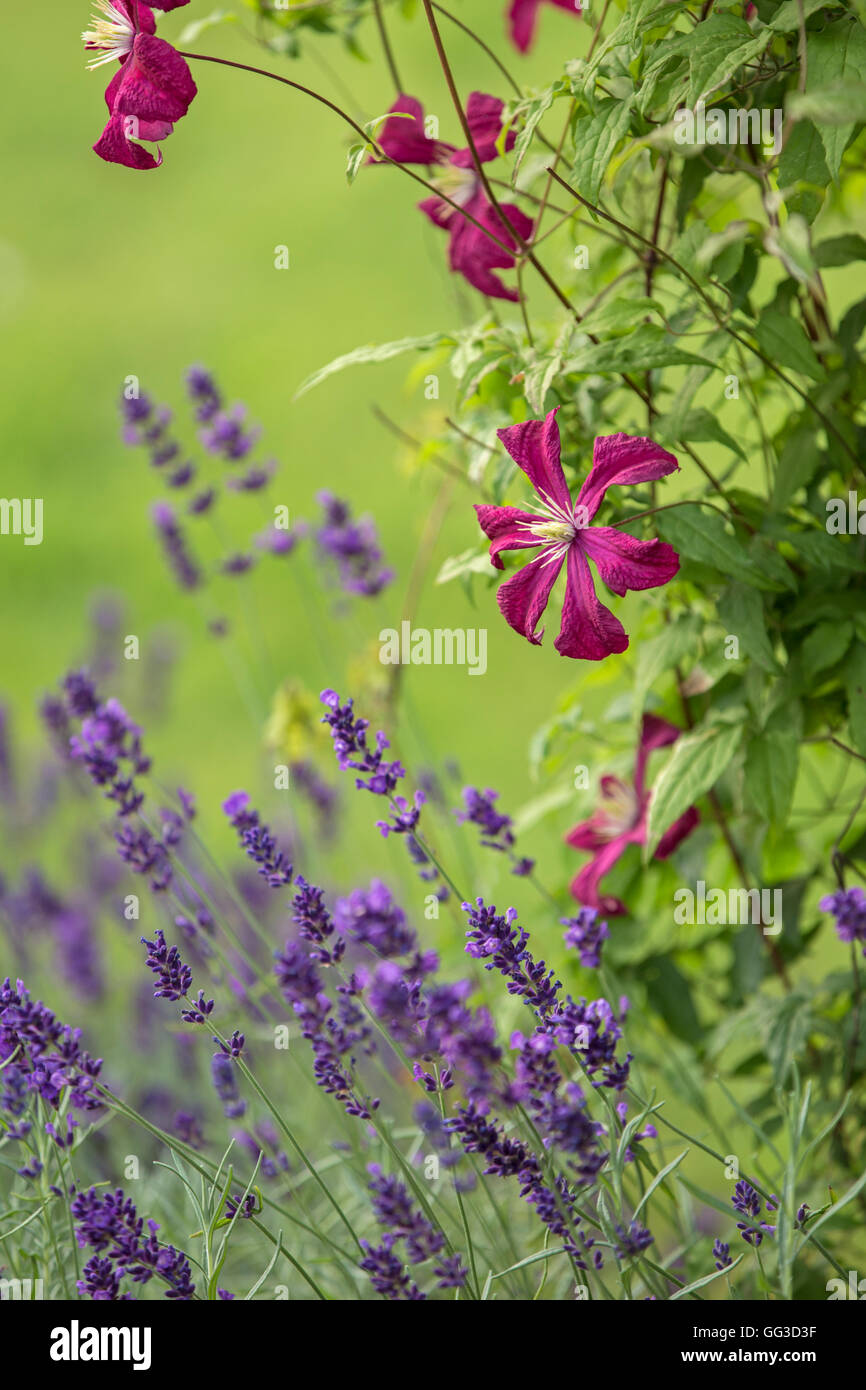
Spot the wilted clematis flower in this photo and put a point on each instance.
(561, 530)
(523, 17)
(472, 254)
(622, 821)
(151, 90)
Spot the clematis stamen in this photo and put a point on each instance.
(112, 35)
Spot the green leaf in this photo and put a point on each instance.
(595, 139)
(784, 341)
(786, 20)
(707, 1278)
(802, 162)
(856, 683)
(191, 31)
(836, 58)
(374, 352)
(621, 311)
(742, 611)
(662, 653)
(771, 773)
(469, 562)
(697, 533)
(659, 1178)
(649, 346)
(825, 645)
(841, 250)
(701, 426)
(716, 49)
(355, 158)
(829, 106)
(696, 764)
(670, 996)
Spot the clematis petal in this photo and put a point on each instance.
(484, 115)
(473, 255)
(507, 529)
(522, 19)
(114, 147)
(523, 598)
(589, 631)
(622, 459)
(655, 733)
(534, 446)
(626, 563)
(676, 833)
(405, 139)
(589, 834)
(156, 84)
(586, 887)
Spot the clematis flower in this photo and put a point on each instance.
(152, 88)
(471, 254)
(523, 17)
(622, 821)
(561, 531)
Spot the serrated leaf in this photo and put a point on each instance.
(621, 311)
(825, 645)
(699, 534)
(836, 58)
(771, 773)
(595, 139)
(374, 352)
(742, 611)
(648, 347)
(786, 20)
(696, 764)
(784, 341)
(663, 653)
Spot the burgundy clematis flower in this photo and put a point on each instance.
(472, 254)
(151, 90)
(523, 17)
(622, 821)
(563, 532)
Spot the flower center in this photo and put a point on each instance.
(455, 183)
(621, 809)
(554, 531)
(112, 35)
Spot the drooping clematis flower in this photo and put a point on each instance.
(523, 17)
(152, 88)
(471, 254)
(622, 821)
(561, 530)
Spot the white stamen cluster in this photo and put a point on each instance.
(112, 35)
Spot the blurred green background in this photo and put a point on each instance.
(106, 272)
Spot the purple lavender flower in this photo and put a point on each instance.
(49, 1058)
(332, 1035)
(257, 841)
(109, 748)
(225, 434)
(110, 1223)
(204, 393)
(226, 1086)
(373, 919)
(632, 1241)
(173, 977)
(315, 923)
(353, 546)
(173, 541)
(848, 906)
(386, 1271)
(321, 796)
(496, 828)
(277, 540)
(587, 933)
(721, 1254)
(495, 940)
(747, 1201)
(147, 425)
